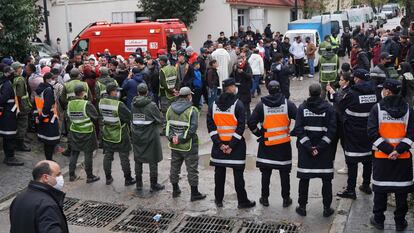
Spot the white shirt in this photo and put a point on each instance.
(256, 63)
(223, 61)
(297, 50)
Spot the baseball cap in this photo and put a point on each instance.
(112, 87)
(142, 88)
(393, 85)
(16, 65)
(185, 91)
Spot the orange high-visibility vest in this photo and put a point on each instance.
(276, 123)
(40, 102)
(225, 122)
(393, 131)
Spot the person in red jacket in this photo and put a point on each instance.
(192, 56)
(376, 51)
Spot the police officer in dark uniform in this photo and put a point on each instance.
(8, 118)
(315, 128)
(226, 124)
(391, 129)
(270, 122)
(355, 107)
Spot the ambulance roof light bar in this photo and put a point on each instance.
(167, 20)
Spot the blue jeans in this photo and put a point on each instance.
(311, 64)
(212, 95)
(256, 80)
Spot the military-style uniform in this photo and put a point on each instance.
(101, 84)
(226, 124)
(328, 69)
(355, 108)
(323, 45)
(168, 83)
(270, 121)
(315, 127)
(47, 119)
(391, 128)
(81, 114)
(24, 107)
(334, 43)
(115, 135)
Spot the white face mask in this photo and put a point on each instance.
(382, 95)
(118, 95)
(59, 183)
(237, 91)
(52, 82)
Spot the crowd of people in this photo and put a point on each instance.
(123, 104)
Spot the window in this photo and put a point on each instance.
(123, 17)
(82, 46)
(241, 17)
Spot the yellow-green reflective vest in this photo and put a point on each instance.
(170, 74)
(102, 88)
(70, 88)
(112, 129)
(179, 125)
(79, 120)
(329, 69)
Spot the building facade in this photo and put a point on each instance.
(216, 16)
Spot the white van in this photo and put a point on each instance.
(360, 16)
(339, 21)
(303, 33)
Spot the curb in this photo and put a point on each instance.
(341, 216)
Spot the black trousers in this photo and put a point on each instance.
(247, 110)
(9, 145)
(380, 205)
(49, 150)
(326, 192)
(197, 97)
(299, 67)
(353, 173)
(284, 181)
(220, 179)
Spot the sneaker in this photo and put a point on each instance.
(176, 193)
(219, 204)
(287, 202)
(130, 181)
(366, 189)
(310, 76)
(347, 194)
(264, 201)
(301, 211)
(300, 78)
(246, 205)
(156, 187)
(401, 226)
(92, 179)
(109, 181)
(328, 212)
(73, 178)
(294, 78)
(377, 225)
(343, 170)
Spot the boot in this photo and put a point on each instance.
(328, 211)
(347, 194)
(246, 205)
(287, 202)
(176, 191)
(301, 210)
(129, 180)
(109, 180)
(196, 195)
(139, 183)
(401, 226)
(92, 179)
(366, 189)
(73, 177)
(21, 146)
(12, 161)
(264, 201)
(377, 225)
(155, 187)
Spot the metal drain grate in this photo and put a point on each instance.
(94, 214)
(142, 221)
(205, 224)
(254, 227)
(69, 203)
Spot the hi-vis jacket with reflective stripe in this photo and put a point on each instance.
(112, 129)
(79, 120)
(226, 124)
(68, 92)
(179, 125)
(168, 81)
(8, 118)
(390, 133)
(355, 107)
(315, 126)
(329, 67)
(47, 118)
(270, 121)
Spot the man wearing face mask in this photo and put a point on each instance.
(115, 134)
(47, 115)
(181, 132)
(391, 129)
(382, 71)
(389, 46)
(226, 124)
(8, 119)
(22, 106)
(102, 83)
(40, 207)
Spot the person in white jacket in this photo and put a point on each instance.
(223, 60)
(257, 65)
(297, 49)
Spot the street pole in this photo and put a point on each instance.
(68, 44)
(337, 5)
(45, 13)
(296, 10)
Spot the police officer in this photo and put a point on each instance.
(81, 114)
(23, 106)
(102, 83)
(326, 42)
(68, 94)
(226, 124)
(146, 141)
(115, 134)
(315, 128)
(270, 122)
(8, 119)
(181, 131)
(355, 107)
(334, 42)
(391, 129)
(329, 69)
(169, 85)
(47, 115)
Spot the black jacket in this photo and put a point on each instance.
(244, 83)
(39, 209)
(362, 61)
(281, 73)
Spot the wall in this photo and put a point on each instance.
(278, 18)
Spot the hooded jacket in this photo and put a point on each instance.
(130, 87)
(407, 89)
(280, 152)
(8, 119)
(47, 130)
(281, 73)
(315, 126)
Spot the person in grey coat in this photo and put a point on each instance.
(146, 143)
